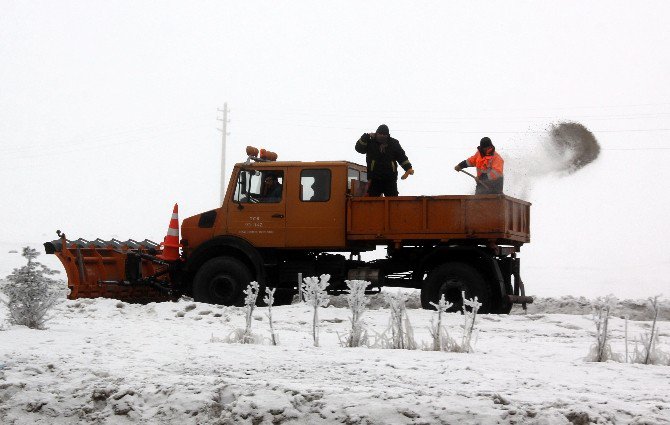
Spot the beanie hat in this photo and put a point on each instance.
(383, 129)
(485, 142)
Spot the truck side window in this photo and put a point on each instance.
(352, 174)
(315, 185)
(272, 186)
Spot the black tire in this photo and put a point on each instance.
(221, 280)
(504, 306)
(452, 278)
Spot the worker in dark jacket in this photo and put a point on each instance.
(382, 154)
(489, 168)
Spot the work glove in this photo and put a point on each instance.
(458, 167)
(409, 172)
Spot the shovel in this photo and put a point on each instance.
(476, 179)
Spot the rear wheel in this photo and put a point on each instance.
(504, 306)
(451, 279)
(221, 280)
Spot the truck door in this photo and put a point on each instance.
(315, 212)
(257, 212)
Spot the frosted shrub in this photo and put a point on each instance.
(245, 336)
(269, 300)
(601, 350)
(441, 341)
(399, 334)
(650, 352)
(647, 351)
(314, 293)
(358, 336)
(469, 325)
(250, 303)
(31, 292)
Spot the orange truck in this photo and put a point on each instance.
(283, 219)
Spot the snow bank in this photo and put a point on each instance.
(108, 362)
(634, 309)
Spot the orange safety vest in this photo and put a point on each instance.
(491, 165)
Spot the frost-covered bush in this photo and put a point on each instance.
(469, 325)
(250, 303)
(269, 300)
(441, 341)
(357, 301)
(31, 292)
(314, 294)
(601, 350)
(650, 351)
(245, 336)
(399, 334)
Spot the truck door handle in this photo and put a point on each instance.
(277, 215)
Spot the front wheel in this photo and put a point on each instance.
(450, 279)
(221, 280)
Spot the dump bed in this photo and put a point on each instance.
(451, 217)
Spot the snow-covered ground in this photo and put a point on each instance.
(104, 361)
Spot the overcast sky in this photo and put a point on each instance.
(108, 112)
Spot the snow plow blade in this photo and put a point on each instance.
(128, 271)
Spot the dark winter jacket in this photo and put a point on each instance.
(381, 154)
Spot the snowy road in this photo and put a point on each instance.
(102, 361)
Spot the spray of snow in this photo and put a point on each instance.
(564, 149)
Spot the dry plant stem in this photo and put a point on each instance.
(654, 303)
(603, 343)
(269, 300)
(626, 337)
(439, 327)
(314, 322)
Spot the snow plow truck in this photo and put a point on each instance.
(317, 220)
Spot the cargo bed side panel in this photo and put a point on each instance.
(438, 217)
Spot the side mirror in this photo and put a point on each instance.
(243, 182)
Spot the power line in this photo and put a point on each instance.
(113, 134)
(332, 127)
(39, 151)
(524, 149)
(350, 112)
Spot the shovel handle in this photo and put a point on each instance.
(476, 179)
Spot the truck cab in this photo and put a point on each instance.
(309, 213)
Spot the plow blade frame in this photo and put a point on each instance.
(127, 271)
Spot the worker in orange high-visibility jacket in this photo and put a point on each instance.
(489, 168)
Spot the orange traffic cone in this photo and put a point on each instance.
(171, 242)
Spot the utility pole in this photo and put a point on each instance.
(224, 133)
